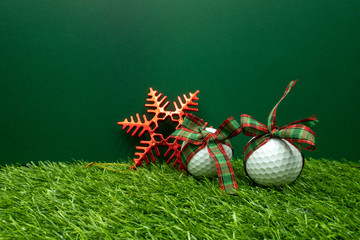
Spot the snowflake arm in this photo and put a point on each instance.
(146, 125)
(156, 105)
(145, 152)
(186, 106)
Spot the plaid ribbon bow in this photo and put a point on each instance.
(298, 133)
(193, 132)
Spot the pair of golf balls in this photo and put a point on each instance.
(275, 163)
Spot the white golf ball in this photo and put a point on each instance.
(275, 163)
(202, 164)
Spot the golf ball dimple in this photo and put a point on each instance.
(202, 164)
(275, 163)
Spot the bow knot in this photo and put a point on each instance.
(272, 133)
(206, 135)
(193, 131)
(297, 133)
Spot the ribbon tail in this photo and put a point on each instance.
(309, 122)
(225, 171)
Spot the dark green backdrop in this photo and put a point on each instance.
(71, 69)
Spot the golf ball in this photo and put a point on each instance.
(275, 163)
(202, 164)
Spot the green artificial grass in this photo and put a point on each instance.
(66, 201)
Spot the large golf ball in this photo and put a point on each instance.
(275, 163)
(202, 164)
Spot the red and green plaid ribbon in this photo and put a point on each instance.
(298, 133)
(193, 131)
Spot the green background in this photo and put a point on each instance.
(70, 70)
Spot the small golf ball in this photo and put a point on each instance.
(202, 164)
(275, 163)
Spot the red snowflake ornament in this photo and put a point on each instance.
(156, 105)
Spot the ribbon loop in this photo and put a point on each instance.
(252, 127)
(299, 135)
(272, 115)
(193, 131)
